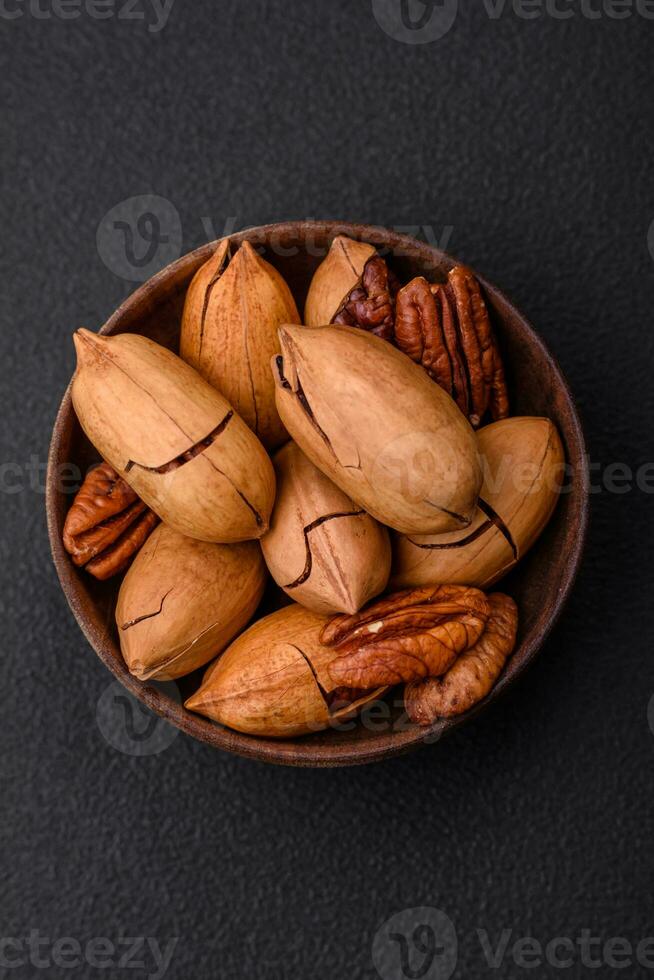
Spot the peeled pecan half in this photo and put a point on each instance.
(419, 331)
(106, 524)
(408, 636)
(447, 311)
(473, 675)
(476, 338)
(371, 306)
(447, 329)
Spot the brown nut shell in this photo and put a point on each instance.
(175, 439)
(523, 469)
(274, 680)
(324, 550)
(229, 333)
(335, 278)
(183, 600)
(378, 427)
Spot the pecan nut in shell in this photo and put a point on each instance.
(173, 437)
(353, 286)
(336, 278)
(524, 461)
(374, 423)
(183, 600)
(107, 524)
(229, 327)
(273, 680)
(322, 549)
(473, 675)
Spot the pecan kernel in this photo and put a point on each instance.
(419, 331)
(447, 329)
(371, 305)
(473, 675)
(408, 636)
(106, 524)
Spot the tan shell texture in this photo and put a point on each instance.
(324, 550)
(183, 600)
(379, 428)
(335, 278)
(273, 679)
(232, 312)
(523, 462)
(173, 437)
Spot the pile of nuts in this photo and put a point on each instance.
(367, 452)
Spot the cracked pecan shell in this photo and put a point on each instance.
(374, 423)
(405, 637)
(337, 276)
(229, 327)
(322, 549)
(182, 601)
(523, 462)
(274, 680)
(353, 287)
(107, 524)
(173, 437)
(473, 675)
(447, 329)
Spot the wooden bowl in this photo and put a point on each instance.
(540, 584)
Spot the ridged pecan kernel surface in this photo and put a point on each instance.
(408, 636)
(107, 524)
(371, 306)
(473, 675)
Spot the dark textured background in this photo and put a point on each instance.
(529, 142)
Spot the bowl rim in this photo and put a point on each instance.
(300, 752)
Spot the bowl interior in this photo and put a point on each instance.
(540, 583)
